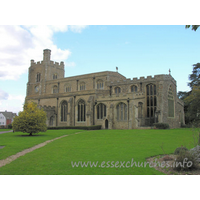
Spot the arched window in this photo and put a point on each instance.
(64, 111)
(82, 86)
(38, 77)
(133, 88)
(101, 111)
(68, 89)
(151, 100)
(117, 90)
(55, 76)
(121, 112)
(55, 89)
(51, 121)
(170, 102)
(81, 110)
(99, 84)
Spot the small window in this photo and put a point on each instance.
(82, 86)
(38, 77)
(68, 89)
(55, 89)
(55, 76)
(117, 90)
(133, 88)
(99, 84)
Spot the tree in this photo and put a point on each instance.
(194, 27)
(30, 120)
(193, 102)
(192, 99)
(195, 76)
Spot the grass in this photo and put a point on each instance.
(4, 129)
(99, 145)
(17, 141)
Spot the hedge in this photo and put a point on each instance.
(95, 127)
(161, 125)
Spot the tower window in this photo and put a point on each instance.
(38, 77)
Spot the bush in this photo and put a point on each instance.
(94, 127)
(185, 161)
(10, 126)
(180, 149)
(30, 120)
(161, 125)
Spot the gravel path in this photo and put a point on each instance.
(22, 153)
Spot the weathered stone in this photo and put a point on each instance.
(51, 89)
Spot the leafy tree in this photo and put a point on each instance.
(194, 27)
(191, 98)
(31, 120)
(193, 102)
(195, 76)
(182, 96)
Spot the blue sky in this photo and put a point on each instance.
(137, 50)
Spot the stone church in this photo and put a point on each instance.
(104, 98)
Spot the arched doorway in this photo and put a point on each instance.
(106, 124)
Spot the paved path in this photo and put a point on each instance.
(6, 131)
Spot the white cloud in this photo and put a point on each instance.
(20, 44)
(70, 64)
(12, 103)
(77, 28)
(3, 95)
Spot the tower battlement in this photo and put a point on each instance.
(46, 60)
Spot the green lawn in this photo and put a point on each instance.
(4, 129)
(101, 145)
(17, 141)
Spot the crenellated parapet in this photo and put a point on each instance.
(48, 108)
(161, 77)
(52, 63)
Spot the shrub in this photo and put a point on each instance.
(185, 161)
(179, 149)
(30, 120)
(161, 125)
(10, 126)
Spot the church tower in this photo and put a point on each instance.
(41, 72)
